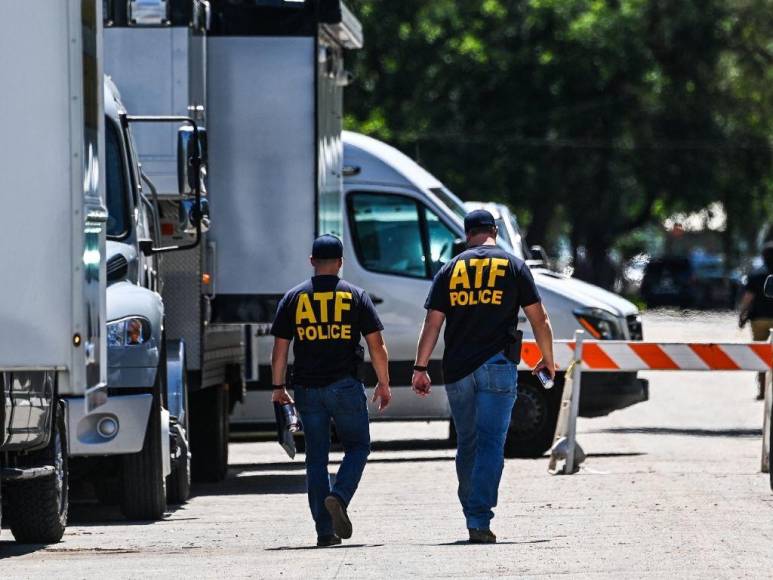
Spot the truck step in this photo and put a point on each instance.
(19, 473)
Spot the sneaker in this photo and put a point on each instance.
(478, 536)
(327, 541)
(337, 510)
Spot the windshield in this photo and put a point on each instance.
(115, 177)
(450, 201)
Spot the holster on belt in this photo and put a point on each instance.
(512, 349)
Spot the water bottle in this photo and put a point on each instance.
(544, 378)
(291, 418)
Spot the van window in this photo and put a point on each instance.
(395, 234)
(387, 234)
(441, 241)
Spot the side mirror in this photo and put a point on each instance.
(769, 287)
(459, 246)
(187, 148)
(541, 254)
(189, 215)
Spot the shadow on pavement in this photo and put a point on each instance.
(498, 543)
(684, 431)
(10, 549)
(338, 547)
(243, 481)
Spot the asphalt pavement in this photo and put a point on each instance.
(671, 489)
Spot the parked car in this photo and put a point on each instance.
(699, 280)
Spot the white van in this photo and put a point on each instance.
(401, 226)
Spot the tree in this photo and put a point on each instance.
(608, 112)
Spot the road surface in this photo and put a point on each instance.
(671, 489)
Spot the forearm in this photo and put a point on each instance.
(543, 335)
(427, 341)
(379, 358)
(278, 363)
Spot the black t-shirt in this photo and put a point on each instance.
(761, 307)
(325, 317)
(480, 292)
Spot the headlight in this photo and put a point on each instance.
(128, 332)
(601, 324)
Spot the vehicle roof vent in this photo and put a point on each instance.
(117, 268)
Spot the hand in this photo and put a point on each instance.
(550, 367)
(382, 394)
(422, 385)
(281, 396)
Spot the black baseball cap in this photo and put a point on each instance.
(479, 218)
(327, 247)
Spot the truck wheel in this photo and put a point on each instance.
(533, 421)
(178, 483)
(37, 508)
(143, 490)
(209, 433)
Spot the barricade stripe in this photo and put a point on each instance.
(714, 357)
(684, 357)
(625, 357)
(764, 351)
(744, 357)
(530, 354)
(654, 356)
(596, 358)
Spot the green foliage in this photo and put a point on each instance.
(615, 111)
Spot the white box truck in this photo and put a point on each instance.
(156, 52)
(53, 232)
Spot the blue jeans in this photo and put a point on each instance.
(346, 403)
(481, 405)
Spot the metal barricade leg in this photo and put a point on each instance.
(571, 436)
(766, 418)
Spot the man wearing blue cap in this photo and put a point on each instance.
(325, 317)
(477, 295)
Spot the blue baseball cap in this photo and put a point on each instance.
(327, 247)
(479, 218)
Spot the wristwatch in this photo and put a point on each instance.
(282, 386)
(420, 368)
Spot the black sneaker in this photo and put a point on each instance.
(327, 541)
(478, 536)
(337, 510)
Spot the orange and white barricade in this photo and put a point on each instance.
(615, 356)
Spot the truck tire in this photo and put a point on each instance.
(209, 434)
(143, 489)
(37, 508)
(178, 483)
(533, 420)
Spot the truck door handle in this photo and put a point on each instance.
(376, 299)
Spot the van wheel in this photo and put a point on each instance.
(37, 509)
(209, 433)
(533, 420)
(143, 489)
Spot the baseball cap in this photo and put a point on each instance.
(479, 218)
(327, 247)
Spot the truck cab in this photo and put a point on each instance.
(134, 447)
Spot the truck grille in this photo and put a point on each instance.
(634, 327)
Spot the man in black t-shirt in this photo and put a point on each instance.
(324, 317)
(756, 308)
(477, 295)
